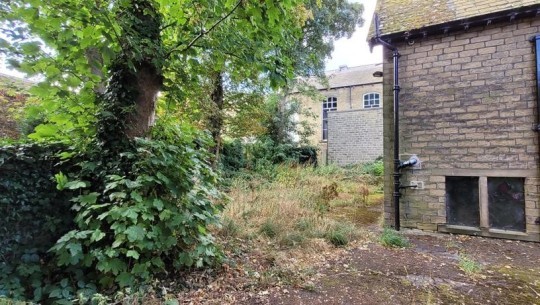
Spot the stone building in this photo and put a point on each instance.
(468, 109)
(346, 115)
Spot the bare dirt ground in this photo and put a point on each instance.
(434, 269)
(428, 272)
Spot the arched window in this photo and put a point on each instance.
(372, 100)
(330, 104)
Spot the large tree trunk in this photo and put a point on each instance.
(148, 84)
(216, 115)
(136, 76)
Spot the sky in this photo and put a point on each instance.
(350, 52)
(355, 51)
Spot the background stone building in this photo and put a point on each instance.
(346, 115)
(468, 110)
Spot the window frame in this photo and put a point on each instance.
(328, 104)
(371, 100)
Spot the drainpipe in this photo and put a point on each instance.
(396, 89)
(350, 97)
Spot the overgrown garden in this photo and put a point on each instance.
(137, 124)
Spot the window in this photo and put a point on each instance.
(503, 202)
(330, 104)
(462, 199)
(371, 100)
(506, 203)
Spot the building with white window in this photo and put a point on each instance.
(347, 115)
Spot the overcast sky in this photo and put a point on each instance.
(351, 52)
(355, 51)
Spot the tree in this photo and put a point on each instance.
(77, 45)
(242, 66)
(142, 204)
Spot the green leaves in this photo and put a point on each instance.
(132, 253)
(135, 233)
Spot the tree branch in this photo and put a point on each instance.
(203, 32)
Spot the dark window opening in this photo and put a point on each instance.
(506, 203)
(536, 40)
(462, 201)
(330, 104)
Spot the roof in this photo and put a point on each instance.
(397, 16)
(347, 77)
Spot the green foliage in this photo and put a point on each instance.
(391, 238)
(340, 234)
(13, 97)
(269, 228)
(140, 206)
(135, 215)
(375, 168)
(34, 216)
(262, 156)
(469, 265)
(232, 157)
(152, 216)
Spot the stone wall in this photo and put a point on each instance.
(467, 107)
(355, 136)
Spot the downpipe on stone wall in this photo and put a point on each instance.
(398, 165)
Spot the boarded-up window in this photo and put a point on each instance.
(506, 203)
(462, 201)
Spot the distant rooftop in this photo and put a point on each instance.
(398, 16)
(348, 76)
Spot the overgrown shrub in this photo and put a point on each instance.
(136, 211)
(34, 216)
(265, 152)
(374, 168)
(261, 157)
(232, 157)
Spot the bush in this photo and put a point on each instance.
(139, 209)
(307, 155)
(391, 238)
(266, 152)
(232, 158)
(340, 234)
(375, 168)
(34, 216)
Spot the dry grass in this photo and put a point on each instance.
(299, 207)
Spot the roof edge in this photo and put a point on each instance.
(461, 24)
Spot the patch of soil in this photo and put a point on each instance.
(428, 272)
(360, 216)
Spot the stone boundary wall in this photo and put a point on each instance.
(355, 136)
